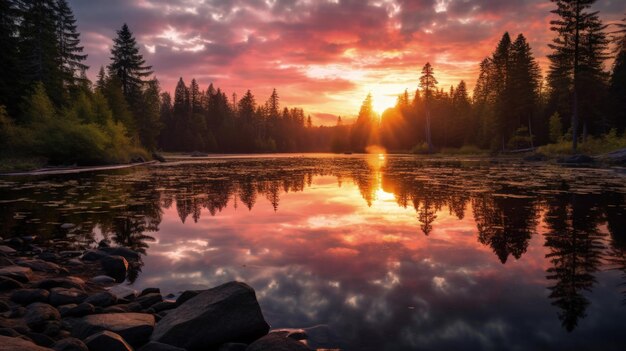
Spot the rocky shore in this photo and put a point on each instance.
(72, 300)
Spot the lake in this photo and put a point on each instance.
(370, 252)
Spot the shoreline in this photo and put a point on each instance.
(73, 170)
(76, 299)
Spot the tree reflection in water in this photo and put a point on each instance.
(127, 206)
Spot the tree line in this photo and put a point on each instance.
(50, 109)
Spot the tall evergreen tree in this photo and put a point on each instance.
(428, 84)
(128, 64)
(617, 87)
(9, 67)
(524, 79)
(38, 47)
(70, 51)
(573, 23)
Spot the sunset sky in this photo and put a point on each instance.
(323, 56)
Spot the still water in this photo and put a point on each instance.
(370, 252)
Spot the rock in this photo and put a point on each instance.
(188, 294)
(64, 308)
(104, 243)
(115, 266)
(277, 342)
(137, 159)
(70, 344)
(70, 253)
(227, 313)
(67, 282)
(17, 311)
(37, 314)
(74, 262)
(107, 341)
(6, 249)
(67, 226)
(198, 154)
(116, 309)
(40, 339)
(63, 296)
(135, 328)
(3, 306)
(233, 346)
(147, 291)
(296, 334)
(49, 256)
(122, 292)
(9, 332)
(52, 328)
(18, 344)
(157, 346)
(7, 283)
(28, 296)
(163, 306)
(102, 299)
(148, 300)
(21, 274)
(93, 255)
(158, 157)
(102, 280)
(4, 261)
(40, 266)
(127, 253)
(15, 241)
(79, 310)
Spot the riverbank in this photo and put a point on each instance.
(68, 298)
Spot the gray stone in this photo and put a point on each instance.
(227, 313)
(18, 344)
(107, 341)
(67, 282)
(122, 292)
(163, 306)
(115, 266)
(102, 299)
(37, 314)
(188, 294)
(67, 226)
(28, 296)
(148, 300)
(147, 291)
(135, 328)
(157, 346)
(296, 334)
(277, 342)
(40, 266)
(70, 344)
(79, 310)
(93, 255)
(21, 274)
(7, 283)
(39, 339)
(6, 249)
(103, 280)
(64, 296)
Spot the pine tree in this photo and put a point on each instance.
(39, 49)
(428, 84)
(524, 78)
(128, 65)
(566, 60)
(10, 84)
(149, 119)
(70, 51)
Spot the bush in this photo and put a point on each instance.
(593, 146)
(464, 150)
(420, 149)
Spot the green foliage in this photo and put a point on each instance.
(464, 150)
(520, 140)
(421, 149)
(38, 107)
(592, 146)
(555, 128)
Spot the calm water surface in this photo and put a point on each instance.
(369, 252)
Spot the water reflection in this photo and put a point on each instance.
(390, 252)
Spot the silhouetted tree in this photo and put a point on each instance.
(428, 85)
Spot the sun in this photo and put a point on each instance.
(382, 98)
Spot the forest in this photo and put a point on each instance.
(51, 111)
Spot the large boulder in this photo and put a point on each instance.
(121, 251)
(227, 313)
(28, 296)
(7, 283)
(38, 314)
(70, 344)
(277, 342)
(66, 282)
(135, 328)
(63, 296)
(21, 274)
(107, 341)
(18, 344)
(41, 266)
(115, 266)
